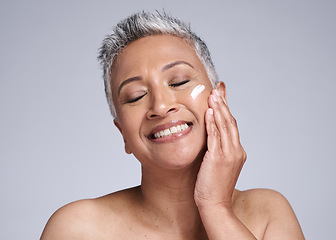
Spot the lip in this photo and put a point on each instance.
(170, 137)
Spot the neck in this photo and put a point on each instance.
(168, 198)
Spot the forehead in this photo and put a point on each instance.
(150, 54)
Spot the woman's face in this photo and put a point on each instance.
(161, 121)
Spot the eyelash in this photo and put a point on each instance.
(179, 83)
(172, 85)
(135, 99)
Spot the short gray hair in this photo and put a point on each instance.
(145, 24)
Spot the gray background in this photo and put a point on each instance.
(57, 140)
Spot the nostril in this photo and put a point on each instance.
(162, 109)
(171, 110)
(163, 114)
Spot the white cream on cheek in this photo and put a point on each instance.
(196, 91)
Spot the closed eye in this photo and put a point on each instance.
(179, 83)
(135, 99)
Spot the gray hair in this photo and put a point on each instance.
(145, 24)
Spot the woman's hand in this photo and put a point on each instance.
(224, 158)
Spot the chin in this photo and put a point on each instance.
(181, 160)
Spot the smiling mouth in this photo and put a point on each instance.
(170, 131)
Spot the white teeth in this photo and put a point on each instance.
(171, 131)
(166, 132)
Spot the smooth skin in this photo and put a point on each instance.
(188, 179)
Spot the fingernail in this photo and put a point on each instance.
(216, 92)
(210, 111)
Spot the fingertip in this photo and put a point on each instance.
(212, 101)
(209, 118)
(210, 114)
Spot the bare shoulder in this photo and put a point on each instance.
(268, 212)
(265, 198)
(89, 218)
(69, 221)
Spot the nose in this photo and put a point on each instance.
(163, 103)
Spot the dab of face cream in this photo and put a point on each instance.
(197, 90)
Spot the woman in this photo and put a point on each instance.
(171, 110)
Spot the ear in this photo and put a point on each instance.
(221, 88)
(117, 124)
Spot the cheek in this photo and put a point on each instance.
(197, 98)
(200, 94)
(130, 114)
(129, 124)
(197, 91)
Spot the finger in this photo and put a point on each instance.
(224, 120)
(213, 135)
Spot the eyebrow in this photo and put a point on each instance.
(164, 68)
(173, 64)
(129, 80)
